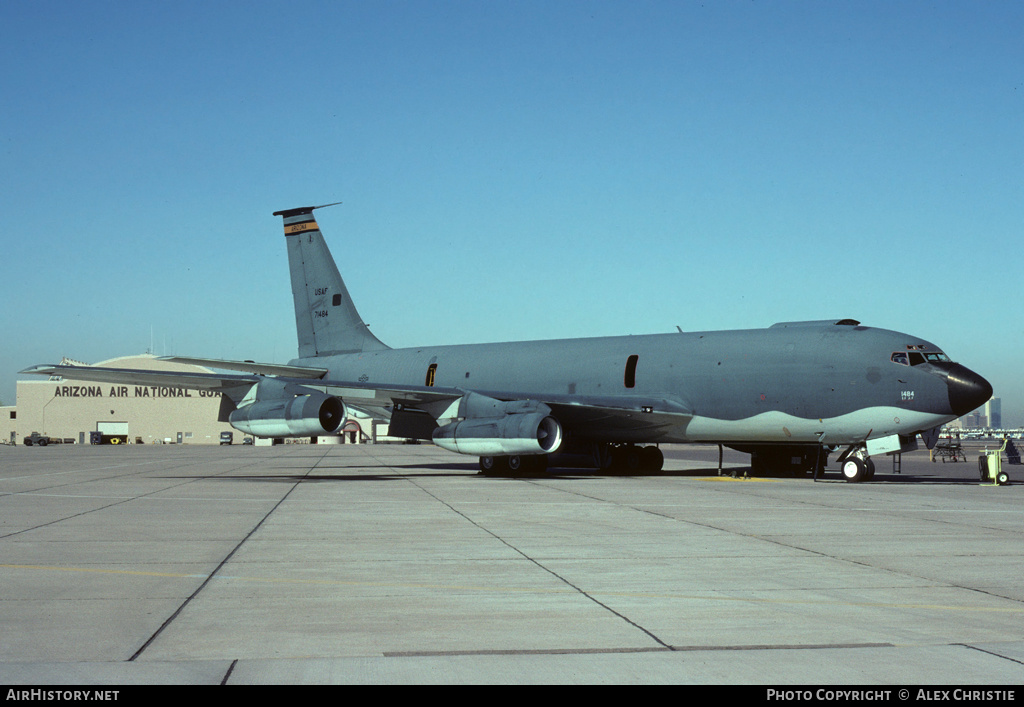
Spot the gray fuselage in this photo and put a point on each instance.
(804, 382)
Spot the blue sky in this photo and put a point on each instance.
(511, 170)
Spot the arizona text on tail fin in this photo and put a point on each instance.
(326, 318)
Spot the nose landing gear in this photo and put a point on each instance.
(856, 465)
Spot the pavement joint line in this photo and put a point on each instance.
(578, 590)
(993, 653)
(775, 540)
(189, 499)
(532, 590)
(944, 543)
(658, 649)
(78, 471)
(227, 675)
(170, 619)
(116, 500)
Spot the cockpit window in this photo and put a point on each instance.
(916, 358)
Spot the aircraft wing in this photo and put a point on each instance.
(224, 383)
(263, 369)
(367, 396)
(617, 418)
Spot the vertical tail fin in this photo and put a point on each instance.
(326, 318)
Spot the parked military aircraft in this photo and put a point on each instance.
(783, 394)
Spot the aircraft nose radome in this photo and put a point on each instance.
(967, 390)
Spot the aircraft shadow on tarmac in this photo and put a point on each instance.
(462, 470)
(743, 474)
(310, 478)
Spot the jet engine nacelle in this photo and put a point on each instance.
(298, 416)
(517, 433)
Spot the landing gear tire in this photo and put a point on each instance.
(515, 465)
(625, 460)
(493, 465)
(527, 464)
(854, 469)
(651, 459)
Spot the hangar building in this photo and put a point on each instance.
(72, 410)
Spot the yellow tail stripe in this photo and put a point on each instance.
(300, 227)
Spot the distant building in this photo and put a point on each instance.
(69, 409)
(970, 421)
(994, 413)
(988, 416)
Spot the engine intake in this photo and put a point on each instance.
(517, 433)
(299, 416)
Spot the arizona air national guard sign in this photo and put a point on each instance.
(74, 410)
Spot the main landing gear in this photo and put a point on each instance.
(631, 459)
(609, 458)
(514, 465)
(794, 460)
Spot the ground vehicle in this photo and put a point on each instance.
(38, 440)
(226, 437)
(990, 465)
(42, 440)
